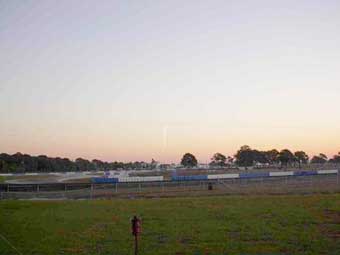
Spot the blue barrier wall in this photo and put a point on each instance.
(104, 180)
(189, 178)
(305, 173)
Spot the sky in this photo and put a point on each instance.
(135, 80)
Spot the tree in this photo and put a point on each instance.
(230, 160)
(44, 164)
(19, 162)
(301, 157)
(245, 148)
(245, 156)
(260, 157)
(320, 159)
(189, 160)
(323, 156)
(272, 156)
(83, 164)
(218, 160)
(335, 159)
(286, 157)
(3, 166)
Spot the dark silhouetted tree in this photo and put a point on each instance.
(301, 157)
(245, 156)
(335, 159)
(218, 160)
(272, 156)
(286, 157)
(188, 160)
(320, 159)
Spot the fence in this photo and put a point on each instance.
(304, 183)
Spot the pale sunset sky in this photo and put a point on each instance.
(135, 80)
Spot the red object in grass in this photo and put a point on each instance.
(136, 226)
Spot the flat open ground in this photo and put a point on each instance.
(252, 186)
(289, 224)
(47, 178)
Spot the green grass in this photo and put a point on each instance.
(2, 179)
(204, 225)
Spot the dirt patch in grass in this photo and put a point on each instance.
(162, 239)
(331, 227)
(185, 240)
(72, 250)
(333, 215)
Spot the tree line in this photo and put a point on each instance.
(19, 163)
(244, 157)
(247, 157)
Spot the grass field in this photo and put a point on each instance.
(202, 225)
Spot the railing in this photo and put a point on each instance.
(256, 185)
